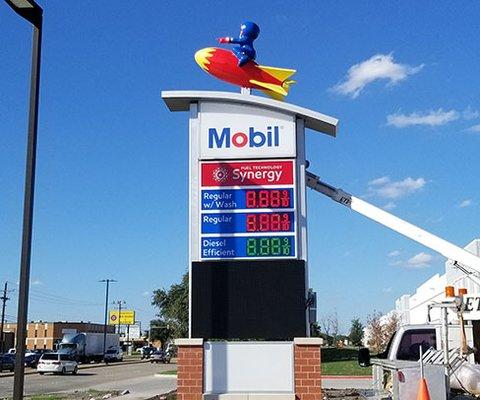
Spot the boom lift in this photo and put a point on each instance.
(467, 262)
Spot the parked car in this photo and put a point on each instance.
(112, 355)
(57, 364)
(146, 351)
(7, 363)
(31, 359)
(160, 356)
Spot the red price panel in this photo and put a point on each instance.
(269, 198)
(271, 222)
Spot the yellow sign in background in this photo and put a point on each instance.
(127, 317)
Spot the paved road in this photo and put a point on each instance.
(139, 379)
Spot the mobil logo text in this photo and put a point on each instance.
(227, 138)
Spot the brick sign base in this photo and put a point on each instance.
(307, 370)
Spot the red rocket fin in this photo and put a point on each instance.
(270, 86)
(280, 73)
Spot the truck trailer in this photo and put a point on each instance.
(86, 346)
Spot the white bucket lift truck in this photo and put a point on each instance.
(397, 373)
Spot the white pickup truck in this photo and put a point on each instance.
(397, 371)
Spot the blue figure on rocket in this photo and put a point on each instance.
(245, 52)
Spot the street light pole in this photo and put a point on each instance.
(107, 281)
(33, 13)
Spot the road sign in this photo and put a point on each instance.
(127, 317)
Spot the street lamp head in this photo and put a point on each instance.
(27, 9)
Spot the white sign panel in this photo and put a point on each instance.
(248, 367)
(230, 131)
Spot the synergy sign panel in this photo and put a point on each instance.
(247, 209)
(235, 132)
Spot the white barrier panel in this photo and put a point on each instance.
(253, 367)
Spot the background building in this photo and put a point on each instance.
(47, 335)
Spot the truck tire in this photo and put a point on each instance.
(75, 370)
(41, 373)
(64, 371)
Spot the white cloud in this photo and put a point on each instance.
(394, 253)
(387, 290)
(389, 206)
(420, 260)
(146, 293)
(466, 203)
(430, 118)
(474, 128)
(379, 181)
(36, 282)
(380, 66)
(387, 189)
(469, 114)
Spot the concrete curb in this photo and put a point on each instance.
(160, 375)
(33, 371)
(346, 377)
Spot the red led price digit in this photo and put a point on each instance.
(263, 199)
(275, 222)
(285, 198)
(251, 199)
(264, 222)
(251, 223)
(275, 198)
(285, 222)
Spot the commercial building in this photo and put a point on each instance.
(47, 335)
(413, 308)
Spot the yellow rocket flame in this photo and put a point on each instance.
(202, 56)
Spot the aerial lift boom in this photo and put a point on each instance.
(462, 259)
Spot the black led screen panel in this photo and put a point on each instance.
(262, 299)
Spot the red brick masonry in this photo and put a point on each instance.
(190, 369)
(308, 376)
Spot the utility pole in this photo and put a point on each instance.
(107, 282)
(4, 299)
(119, 304)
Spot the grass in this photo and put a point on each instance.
(342, 362)
(169, 372)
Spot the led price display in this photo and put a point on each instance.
(269, 246)
(234, 199)
(248, 246)
(268, 222)
(228, 223)
(269, 198)
(247, 209)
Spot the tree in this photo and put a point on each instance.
(391, 326)
(356, 332)
(333, 318)
(173, 309)
(375, 336)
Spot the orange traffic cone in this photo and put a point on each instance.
(423, 390)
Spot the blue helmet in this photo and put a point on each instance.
(249, 29)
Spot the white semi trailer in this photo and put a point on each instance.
(86, 346)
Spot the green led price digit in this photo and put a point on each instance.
(251, 247)
(286, 247)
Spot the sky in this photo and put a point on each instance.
(111, 192)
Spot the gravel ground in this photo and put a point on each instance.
(349, 394)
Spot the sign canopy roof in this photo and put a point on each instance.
(181, 100)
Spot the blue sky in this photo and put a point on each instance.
(111, 195)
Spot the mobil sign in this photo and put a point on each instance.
(244, 132)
